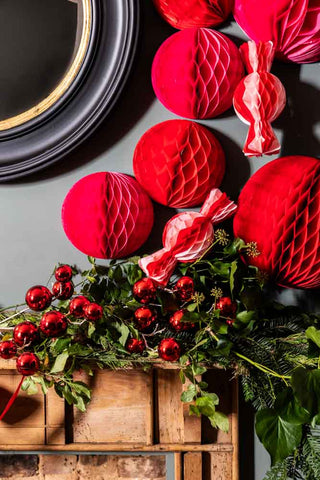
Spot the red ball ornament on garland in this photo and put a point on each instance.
(107, 215)
(195, 73)
(184, 288)
(63, 290)
(169, 350)
(177, 162)
(194, 13)
(38, 298)
(178, 324)
(93, 312)
(8, 349)
(28, 363)
(144, 317)
(53, 324)
(135, 346)
(227, 307)
(145, 291)
(279, 209)
(76, 306)
(25, 333)
(63, 273)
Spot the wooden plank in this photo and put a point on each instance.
(55, 418)
(235, 429)
(121, 409)
(192, 466)
(120, 447)
(22, 437)
(177, 466)
(218, 465)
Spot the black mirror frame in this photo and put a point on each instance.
(50, 136)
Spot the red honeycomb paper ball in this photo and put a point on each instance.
(107, 215)
(53, 324)
(8, 349)
(195, 73)
(38, 298)
(27, 363)
(293, 26)
(62, 290)
(177, 162)
(194, 13)
(279, 208)
(25, 333)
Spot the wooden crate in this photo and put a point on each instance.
(129, 411)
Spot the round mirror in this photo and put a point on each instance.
(42, 47)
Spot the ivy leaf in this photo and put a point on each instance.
(233, 269)
(60, 362)
(182, 377)
(306, 388)
(220, 420)
(280, 437)
(189, 394)
(206, 406)
(289, 409)
(59, 345)
(91, 260)
(313, 334)
(193, 410)
(124, 332)
(29, 386)
(82, 389)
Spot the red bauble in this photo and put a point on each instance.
(28, 363)
(194, 13)
(195, 73)
(63, 273)
(177, 162)
(279, 208)
(227, 307)
(8, 349)
(177, 324)
(25, 333)
(145, 290)
(185, 288)
(135, 346)
(144, 317)
(38, 298)
(292, 25)
(169, 350)
(53, 324)
(107, 215)
(77, 304)
(63, 290)
(93, 312)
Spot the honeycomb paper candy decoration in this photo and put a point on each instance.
(259, 99)
(194, 13)
(195, 73)
(292, 25)
(187, 236)
(279, 208)
(107, 215)
(178, 162)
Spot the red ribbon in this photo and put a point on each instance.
(12, 399)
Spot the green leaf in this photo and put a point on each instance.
(59, 345)
(91, 329)
(289, 409)
(80, 404)
(306, 388)
(29, 386)
(60, 362)
(198, 370)
(182, 377)
(193, 410)
(40, 380)
(206, 406)
(220, 420)
(91, 260)
(279, 436)
(82, 389)
(233, 269)
(189, 394)
(246, 316)
(123, 330)
(313, 334)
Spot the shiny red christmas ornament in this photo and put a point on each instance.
(279, 209)
(53, 324)
(8, 349)
(93, 312)
(259, 99)
(292, 25)
(107, 215)
(135, 346)
(169, 350)
(28, 363)
(145, 291)
(63, 290)
(187, 236)
(195, 73)
(227, 307)
(194, 13)
(184, 288)
(25, 333)
(76, 306)
(38, 298)
(177, 162)
(63, 273)
(178, 324)
(144, 317)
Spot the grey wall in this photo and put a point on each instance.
(31, 236)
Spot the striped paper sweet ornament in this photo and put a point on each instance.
(187, 236)
(107, 215)
(194, 13)
(178, 162)
(279, 209)
(259, 99)
(195, 73)
(292, 25)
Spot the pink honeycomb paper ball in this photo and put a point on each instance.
(107, 215)
(178, 162)
(195, 73)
